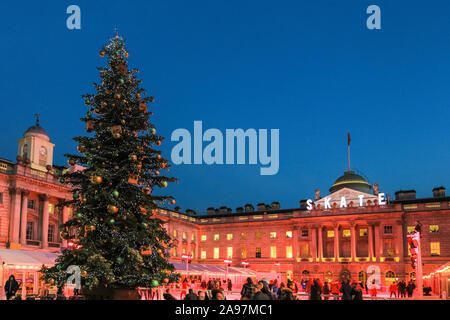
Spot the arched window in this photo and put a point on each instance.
(390, 277)
(25, 151)
(305, 275)
(328, 276)
(362, 276)
(345, 274)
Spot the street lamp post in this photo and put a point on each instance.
(279, 273)
(186, 258)
(228, 262)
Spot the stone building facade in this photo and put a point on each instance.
(29, 193)
(324, 243)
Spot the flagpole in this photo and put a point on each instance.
(348, 149)
(348, 155)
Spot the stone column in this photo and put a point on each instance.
(295, 246)
(320, 253)
(353, 241)
(336, 242)
(370, 242)
(377, 241)
(14, 223)
(44, 236)
(180, 244)
(314, 243)
(398, 234)
(24, 218)
(65, 218)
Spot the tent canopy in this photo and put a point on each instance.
(27, 258)
(212, 269)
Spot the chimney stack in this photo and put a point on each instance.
(261, 206)
(439, 192)
(405, 195)
(249, 208)
(275, 205)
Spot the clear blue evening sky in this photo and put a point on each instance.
(310, 68)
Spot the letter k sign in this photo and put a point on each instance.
(327, 203)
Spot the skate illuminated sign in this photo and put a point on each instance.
(343, 202)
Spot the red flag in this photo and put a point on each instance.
(348, 136)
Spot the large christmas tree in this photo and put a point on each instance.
(117, 241)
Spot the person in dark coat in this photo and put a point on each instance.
(357, 291)
(261, 294)
(410, 289)
(191, 295)
(286, 293)
(326, 290)
(315, 291)
(346, 290)
(11, 287)
(247, 290)
(230, 285)
(168, 296)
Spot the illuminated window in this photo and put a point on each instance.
(289, 252)
(193, 253)
(273, 235)
(193, 237)
(216, 237)
(434, 228)
(304, 233)
(304, 250)
(289, 234)
(51, 208)
(183, 250)
(362, 276)
(411, 229)
(387, 229)
(174, 233)
(346, 233)
(435, 248)
(390, 252)
(362, 232)
(70, 211)
(229, 236)
(203, 237)
(330, 233)
(273, 252)
(174, 251)
(184, 235)
(390, 277)
(230, 253)
(258, 252)
(244, 253)
(243, 236)
(203, 254)
(258, 235)
(328, 276)
(216, 253)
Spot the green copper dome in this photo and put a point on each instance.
(353, 181)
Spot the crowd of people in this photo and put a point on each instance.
(313, 289)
